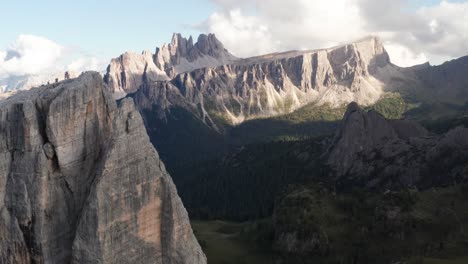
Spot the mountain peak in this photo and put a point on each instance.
(370, 38)
(352, 107)
(182, 55)
(127, 73)
(207, 44)
(210, 45)
(179, 44)
(208, 38)
(175, 38)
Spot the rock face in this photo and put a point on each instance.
(126, 73)
(380, 153)
(281, 83)
(81, 183)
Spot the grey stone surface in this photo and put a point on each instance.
(81, 183)
(49, 150)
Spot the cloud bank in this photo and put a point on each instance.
(412, 36)
(34, 55)
(29, 55)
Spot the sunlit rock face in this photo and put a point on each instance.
(81, 183)
(278, 83)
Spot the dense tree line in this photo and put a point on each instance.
(244, 184)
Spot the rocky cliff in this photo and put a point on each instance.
(127, 73)
(81, 183)
(378, 153)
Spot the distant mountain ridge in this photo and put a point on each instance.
(269, 85)
(229, 89)
(218, 91)
(274, 84)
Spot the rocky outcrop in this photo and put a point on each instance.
(380, 153)
(126, 73)
(81, 183)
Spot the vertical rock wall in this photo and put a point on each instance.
(81, 183)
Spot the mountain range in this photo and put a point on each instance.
(238, 137)
(228, 101)
(221, 90)
(322, 146)
(236, 90)
(218, 87)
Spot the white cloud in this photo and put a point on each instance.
(238, 31)
(435, 33)
(33, 55)
(86, 64)
(448, 28)
(403, 56)
(2, 55)
(29, 55)
(282, 25)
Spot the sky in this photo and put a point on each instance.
(50, 35)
